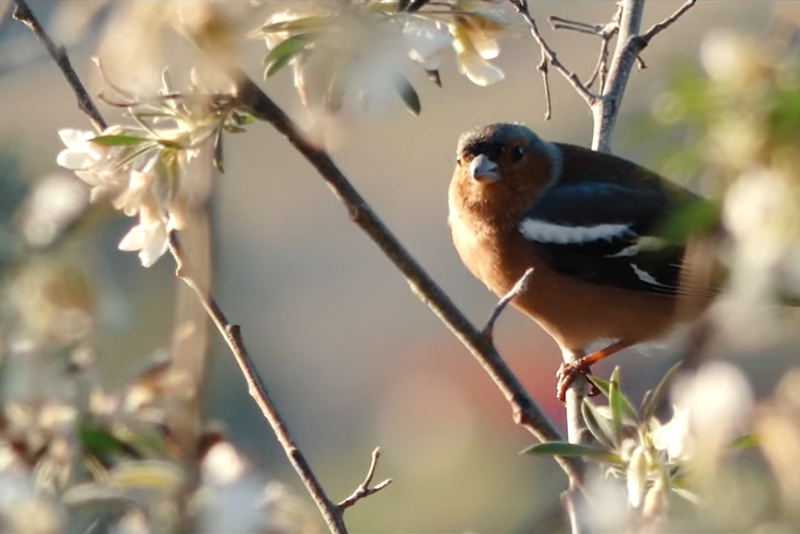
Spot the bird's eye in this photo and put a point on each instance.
(458, 161)
(516, 153)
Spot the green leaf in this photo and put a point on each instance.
(281, 55)
(599, 425)
(242, 119)
(605, 388)
(747, 441)
(101, 442)
(233, 129)
(615, 403)
(563, 448)
(408, 94)
(292, 26)
(118, 140)
(690, 219)
(652, 400)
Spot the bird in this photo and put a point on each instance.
(590, 225)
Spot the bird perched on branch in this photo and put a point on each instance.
(588, 223)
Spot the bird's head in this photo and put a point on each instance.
(503, 164)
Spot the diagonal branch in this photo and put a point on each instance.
(231, 333)
(666, 23)
(526, 412)
(22, 13)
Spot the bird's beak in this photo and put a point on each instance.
(483, 169)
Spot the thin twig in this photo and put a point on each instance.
(526, 412)
(548, 101)
(606, 32)
(22, 13)
(601, 67)
(522, 8)
(669, 21)
(258, 391)
(364, 490)
(560, 23)
(520, 287)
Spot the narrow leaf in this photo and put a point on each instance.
(597, 423)
(652, 401)
(563, 448)
(605, 388)
(241, 118)
(118, 140)
(281, 55)
(615, 403)
(292, 26)
(99, 441)
(408, 94)
(218, 164)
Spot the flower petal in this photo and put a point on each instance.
(478, 70)
(155, 247)
(73, 138)
(134, 240)
(75, 159)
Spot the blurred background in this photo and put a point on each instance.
(350, 355)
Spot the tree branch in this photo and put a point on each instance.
(331, 512)
(22, 13)
(258, 391)
(550, 54)
(364, 490)
(666, 23)
(606, 109)
(629, 45)
(526, 412)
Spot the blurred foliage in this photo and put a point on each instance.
(78, 456)
(366, 46)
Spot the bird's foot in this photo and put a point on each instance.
(567, 374)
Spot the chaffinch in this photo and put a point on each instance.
(587, 223)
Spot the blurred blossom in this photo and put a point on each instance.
(23, 509)
(333, 47)
(427, 41)
(150, 169)
(139, 37)
(222, 465)
(54, 300)
(674, 437)
(637, 476)
(56, 201)
(732, 58)
(778, 428)
(608, 511)
(719, 401)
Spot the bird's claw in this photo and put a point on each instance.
(567, 374)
